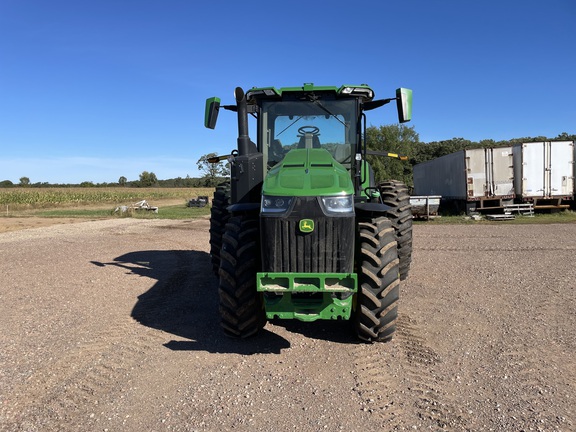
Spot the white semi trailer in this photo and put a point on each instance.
(544, 173)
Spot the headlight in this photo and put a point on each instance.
(338, 204)
(276, 204)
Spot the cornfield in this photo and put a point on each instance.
(55, 197)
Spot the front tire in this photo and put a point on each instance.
(395, 194)
(241, 308)
(379, 284)
(219, 216)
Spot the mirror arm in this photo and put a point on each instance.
(367, 106)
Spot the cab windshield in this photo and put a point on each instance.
(327, 124)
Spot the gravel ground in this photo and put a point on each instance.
(20, 223)
(113, 325)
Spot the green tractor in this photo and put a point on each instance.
(302, 230)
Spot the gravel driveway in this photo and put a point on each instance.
(113, 326)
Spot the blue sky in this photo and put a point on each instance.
(97, 89)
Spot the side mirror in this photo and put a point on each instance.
(404, 104)
(211, 112)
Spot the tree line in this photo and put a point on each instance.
(212, 174)
(397, 138)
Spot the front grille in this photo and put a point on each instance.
(327, 249)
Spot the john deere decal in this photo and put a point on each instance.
(306, 225)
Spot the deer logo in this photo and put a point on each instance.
(306, 225)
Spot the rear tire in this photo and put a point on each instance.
(219, 215)
(241, 308)
(395, 194)
(379, 284)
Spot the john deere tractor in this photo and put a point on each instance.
(302, 230)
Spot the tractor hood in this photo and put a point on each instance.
(308, 172)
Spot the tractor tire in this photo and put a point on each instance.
(241, 308)
(219, 216)
(395, 194)
(378, 280)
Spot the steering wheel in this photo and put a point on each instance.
(309, 129)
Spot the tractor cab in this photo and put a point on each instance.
(315, 120)
(312, 117)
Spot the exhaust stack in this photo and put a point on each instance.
(247, 171)
(245, 145)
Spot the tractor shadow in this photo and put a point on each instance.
(184, 302)
(338, 331)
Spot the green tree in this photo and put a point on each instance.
(399, 139)
(435, 149)
(212, 173)
(564, 136)
(24, 181)
(122, 181)
(148, 179)
(188, 181)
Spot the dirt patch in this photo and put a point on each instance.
(20, 223)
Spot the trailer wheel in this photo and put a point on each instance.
(241, 308)
(395, 194)
(379, 284)
(218, 218)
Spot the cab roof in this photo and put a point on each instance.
(363, 91)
